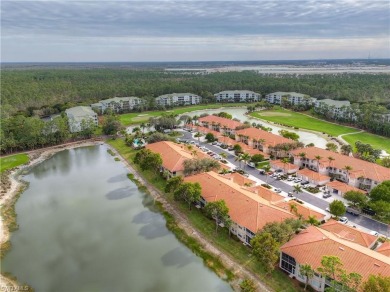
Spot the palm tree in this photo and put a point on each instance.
(312, 220)
(223, 155)
(266, 168)
(297, 189)
(318, 161)
(348, 169)
(143, 126)
(239, 159)
(307, 271)
(285, 161)
(261, 142)
(245, 157)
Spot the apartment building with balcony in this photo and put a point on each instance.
(332, 108)
(117, 104)
(262, 140)
(237, 96)
(350, 170)
(178, 99)
(348, 244)
(292, 97)
(222, 125)
(80, 115)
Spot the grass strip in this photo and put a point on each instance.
(298, 120)
(12, 161)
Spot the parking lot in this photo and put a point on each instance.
(315, 201)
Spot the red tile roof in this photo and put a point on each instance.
(313, 175)
(245, 208)
(231, 124)
(343, 187)
(349, 233)
(203, 130)
(266, 194)
(359, 167)
(310, 245)
(303, 210)
(384, 249)
(173, 155)
(238, 179)
(278, 164)
(270, 139)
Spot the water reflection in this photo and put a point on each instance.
(121, 193)
(71, 238)
(176, 257)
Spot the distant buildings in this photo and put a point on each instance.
(355, 172)
(79, 115)
(178, 99)
(332, 108)
(292, 97)
(117, 104)
(237, 96)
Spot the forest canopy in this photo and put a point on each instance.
(25, 90)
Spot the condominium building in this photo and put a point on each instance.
(222, 125)
(237, 96)
(292, 97)
(173, 156)
(117, 104)
(355, 172)
(335, 108)
(178, 99)
(351, 246)
(249, 208)
(262, 140)
(80, 115)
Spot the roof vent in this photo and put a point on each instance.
(341, 248)
(377, 265)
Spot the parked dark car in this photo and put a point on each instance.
(327, 195)
(353, 211)
(304, 183)
(368, 211)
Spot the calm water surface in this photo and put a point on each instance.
(84, 226)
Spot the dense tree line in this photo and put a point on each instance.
(20, 133)
(368, 116)
(43, 91)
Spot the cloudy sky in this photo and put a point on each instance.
(61, 31)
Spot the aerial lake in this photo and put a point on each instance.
(84, 226)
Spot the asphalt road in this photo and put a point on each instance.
(304, 196)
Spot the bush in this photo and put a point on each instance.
(266, 186)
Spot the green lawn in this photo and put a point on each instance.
(377, 142)
(242, 254)
(138, 118)
(294, 119)
(13, 161)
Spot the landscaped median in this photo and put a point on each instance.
(241, 254)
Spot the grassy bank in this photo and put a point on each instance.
(138, 118)
(293, 119)
(376, 141)
(232, 247)
(13, 161)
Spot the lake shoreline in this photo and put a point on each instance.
(10, 197)
(239, 271)
(8, 200)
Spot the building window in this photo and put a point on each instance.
(288, 263)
